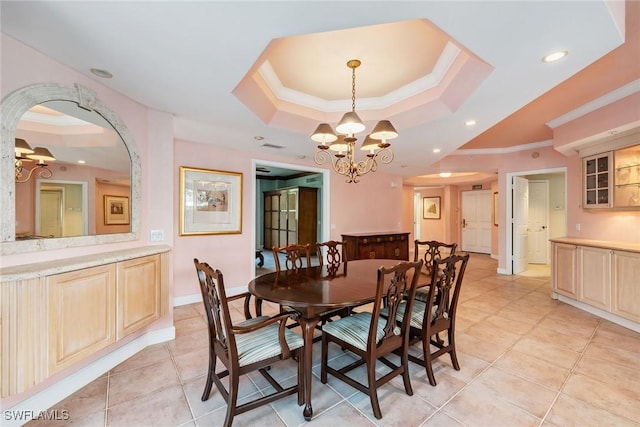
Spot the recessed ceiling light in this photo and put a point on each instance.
(258, 138)
(436, 150)
(101, 73)
(552, 57)
(445, 174)
(82, 162)
(404, 166)
(470, 122)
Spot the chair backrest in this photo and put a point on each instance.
(334, 251)
(216, 308)
(396, 286)
(444, 290)
(294, 256)
(432, 250)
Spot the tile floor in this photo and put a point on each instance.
(526, 360)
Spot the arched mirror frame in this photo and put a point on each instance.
(13, 107)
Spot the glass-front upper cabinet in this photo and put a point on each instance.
(597, 179)
(627, 177)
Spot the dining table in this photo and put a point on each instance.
(315, 291)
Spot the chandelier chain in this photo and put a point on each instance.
(353, 89)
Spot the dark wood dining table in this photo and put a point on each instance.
(315, 291)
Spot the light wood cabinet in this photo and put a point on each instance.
(139, 292)
(81, 314)
(56, 314)
(601, 275)
(626, 285)
(564, 269)
(595, 277)
(291, 217)
(612, 179)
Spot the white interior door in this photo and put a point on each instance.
(50, 221)
(520, 223)
(538, 221)
(417, 206)
(476, 221)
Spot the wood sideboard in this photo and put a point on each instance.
(381, 245)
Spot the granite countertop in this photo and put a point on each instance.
(604, 244)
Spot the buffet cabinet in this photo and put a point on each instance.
(600, 274)
(386, 245)
(291, 217)
(56, 314)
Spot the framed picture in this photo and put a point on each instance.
(431, 207)
(495, 208)
(210, 201)
(116, 210)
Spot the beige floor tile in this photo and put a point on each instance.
(440, 419)
(618, 400)
(610, 373)
(193, 364)
(166, 407)
(566, 327)
(613, 354)
(136, 383)
(261, 416)
(185, 311)
(498, 337)
(479, 348)
(190, 324)
(446, 388)
(150, 355)
(558, 356)
(341, 414)
(477, 405)
(533, 369)
(551, 336)
(194, 388)
(323, 398)
(525, 394)
(502, 323)
(618, 338)
(187, 343)
(571, 412)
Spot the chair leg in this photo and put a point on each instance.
(405, 373)
(233, 398)
(210, 374)
(373, 390)
(452, 351)
(324, 360)
(300, 379)
(426, 353)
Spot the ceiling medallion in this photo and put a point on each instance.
(343, 143)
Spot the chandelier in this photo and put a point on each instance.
(24, 153)
(343, 144)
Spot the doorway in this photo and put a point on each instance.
(61, 208)
(542, 222)
(287, 175)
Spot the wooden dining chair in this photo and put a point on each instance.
(250, 345)
(437, 314)
(296, 256)
(332, 254)
(428, 251)
(372, 337)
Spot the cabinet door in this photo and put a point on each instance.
(595, 277)
(597, 181)
(564, 267)
(626, 285)
(138, 293)
(81, 314)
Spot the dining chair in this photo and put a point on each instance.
(372, 337)
(428, 251)
(247, 346)
(294, 256)
(437, 314)
(332, 254)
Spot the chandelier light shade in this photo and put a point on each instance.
(24, 153)
(342, 142)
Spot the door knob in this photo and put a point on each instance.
(544, 227)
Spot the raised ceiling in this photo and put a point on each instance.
(188, 57)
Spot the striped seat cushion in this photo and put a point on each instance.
(417, 313)
(263, 343)
(422, 294)
(355, 329)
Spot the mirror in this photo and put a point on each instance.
(91, 195)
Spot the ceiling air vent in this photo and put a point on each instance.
(272, 146)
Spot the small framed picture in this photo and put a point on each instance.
(431, 207)
(116, 210)
(210, 201)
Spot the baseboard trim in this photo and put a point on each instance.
(60, 390)
(502, 271)
(186, 299)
